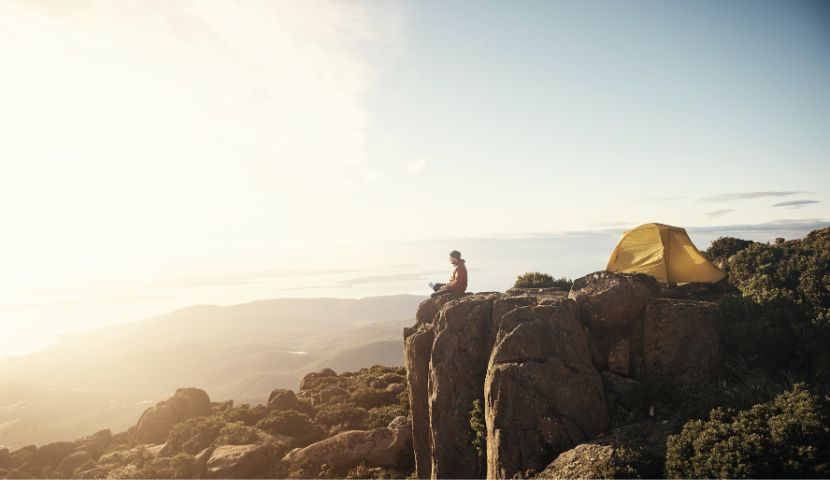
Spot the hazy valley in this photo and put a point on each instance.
(105, 378)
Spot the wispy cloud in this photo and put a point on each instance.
(371, 279)
(728, 197)
(417, 166)
(796, 203)
(610, 223)
(719, 213)
(84, 302)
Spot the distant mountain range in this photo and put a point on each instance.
(106, 377)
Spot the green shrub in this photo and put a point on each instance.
(363, 471)
(541, 280)
(245, 414)
(236, 433)
(370, 398)
(194, 434)
(343, 416)
(724, 247)
(766, 335)
(381, 416)
(287, 422)
(789, 283)
(785, 438)
(631, 463)
(479, 428)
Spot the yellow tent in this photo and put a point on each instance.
(664, 252)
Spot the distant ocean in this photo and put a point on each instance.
(403, 267)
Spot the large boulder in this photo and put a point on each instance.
(311, 380)
(283, 399)
(389, 446)
(679, 339)
(72, 461)
(51, 454)
(238, 461)
(543, 394)
(96, 443)
(611, 306)
(417, 352)
(458, 365)
(156, 422)
(611, 301)
(633, 451)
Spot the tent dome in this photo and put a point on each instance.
(664, 252)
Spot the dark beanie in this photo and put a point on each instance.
(455, 254)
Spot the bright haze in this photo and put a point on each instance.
(161, 154)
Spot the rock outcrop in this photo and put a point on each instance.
(542, 392)
(237, 461)
(545, 366)
(383, 447)
(632, 451)
(155, 423)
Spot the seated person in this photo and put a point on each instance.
(458, 277)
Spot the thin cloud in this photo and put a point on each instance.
(398, 277)
(611, 223)
(239, 278)
(417, 166)
(796, 203)
(719, 213)
(84, 302)
(370, 279)
(728, 197)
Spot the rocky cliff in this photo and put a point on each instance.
(549, 367)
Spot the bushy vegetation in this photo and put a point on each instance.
(781, 321)
(724, 247)
(236, 433)
(788, 437)
(287, 422)
(541, 280)
(479, 428)
(327, 404)
(194, 434)
(145, 465)
(631, 463)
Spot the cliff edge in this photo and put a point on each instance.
(550, 369)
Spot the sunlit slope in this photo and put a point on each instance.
(105, 378)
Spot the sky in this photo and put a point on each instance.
(157, 154)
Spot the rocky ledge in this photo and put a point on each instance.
(548, 367)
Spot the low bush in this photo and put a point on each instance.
(787, 437)
(371, 398)
(287, 422)
(194, 434)
(724, 247)
(541, 280)
(342, 416)
(236, 433)
(381, 416)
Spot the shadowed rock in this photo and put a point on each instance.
(156, 422)
(543, 394)
(389, 446)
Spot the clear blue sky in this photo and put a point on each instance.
(572, 114)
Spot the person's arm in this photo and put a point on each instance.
(453, 281)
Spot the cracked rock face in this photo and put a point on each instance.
(543, 394)
(536, 361)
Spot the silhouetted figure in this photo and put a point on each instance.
(458, 278)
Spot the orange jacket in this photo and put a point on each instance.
(458, 278)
